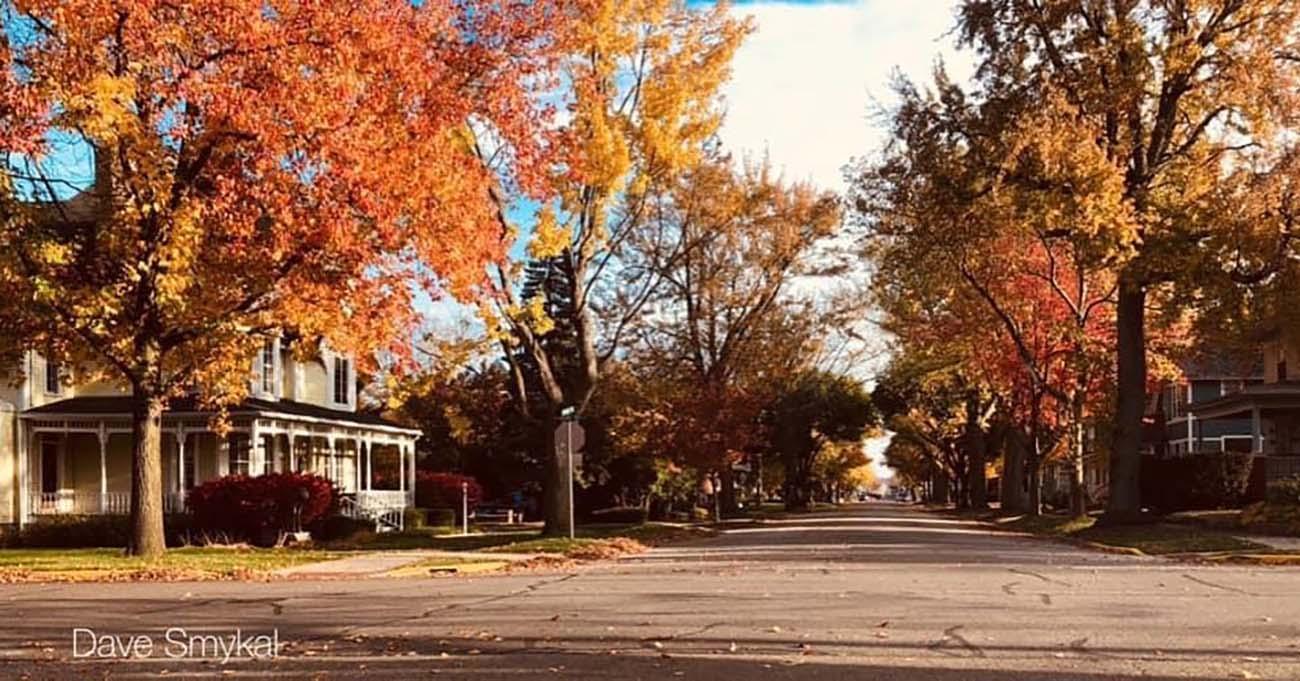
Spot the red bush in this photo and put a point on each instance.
(258, 509)
(442, 490)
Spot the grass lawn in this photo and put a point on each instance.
(525, 540)
(183, 563)
(1154, 539)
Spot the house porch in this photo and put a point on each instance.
(78, 464)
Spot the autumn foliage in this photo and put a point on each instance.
(259, 168)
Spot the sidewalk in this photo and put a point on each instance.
(1276, 543)
(380, 563)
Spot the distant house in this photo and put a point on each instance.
(1176, 424)
(66, 441)
(1263, 416)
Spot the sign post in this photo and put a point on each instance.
(569, 438)
(464, 508)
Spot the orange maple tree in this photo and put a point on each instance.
(261, 166)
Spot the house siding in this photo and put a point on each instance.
(8, 463)
(315, 383)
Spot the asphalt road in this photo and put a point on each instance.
(875, 592)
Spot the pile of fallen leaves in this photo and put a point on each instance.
(1273, 518)
(605, 549)
(147, 574)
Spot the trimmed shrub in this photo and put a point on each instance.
(335, 527)
(442, 490)
(259, 509)
(1285, 492)
(413, 519)
(440, 517)
(1196, 482)
(620, 515)
(90, 532)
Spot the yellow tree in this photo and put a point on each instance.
(639, 84)
(727, 243)
(1173, 96)
(260, 166)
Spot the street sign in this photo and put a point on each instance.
(569, 438)
(567, 434)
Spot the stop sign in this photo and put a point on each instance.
(569, 435)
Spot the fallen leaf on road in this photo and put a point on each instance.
(775, 630)
(732, 648)
(1243, 674)
(883, 624)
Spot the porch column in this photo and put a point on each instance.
(293, 451)
(25, 446)
(333, 474)
(180, 461)
(103, 468)
(401, 468)
(370, 468)
(256, 459)
(1256, 430)
(356, 460)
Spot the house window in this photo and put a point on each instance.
(240, 454)
(268, 366)
(52, 374)
(1281, 371)
(341, 380)
(1181, 396)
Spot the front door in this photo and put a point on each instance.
(50, 469)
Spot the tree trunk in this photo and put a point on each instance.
(727, 500)
(1013, 473)
(976, 451)
(1124, 504)
(1078, 495)
(148, 539)
(1034, 476)
(939, 487)
(555, 503)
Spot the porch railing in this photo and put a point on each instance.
(71, 502)
(386, 511)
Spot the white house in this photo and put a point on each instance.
(65, 444)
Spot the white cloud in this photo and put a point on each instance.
(807, 83)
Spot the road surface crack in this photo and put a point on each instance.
(1035, 575)
(951, 635)
(1222, 587)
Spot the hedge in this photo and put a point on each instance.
(90, 532)
(1199, 481)
(259, 509)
